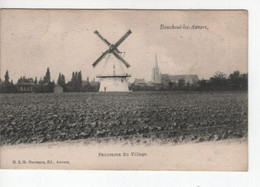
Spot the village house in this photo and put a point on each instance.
(189, 79)
(140, 82)
(25, 85)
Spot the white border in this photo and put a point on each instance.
(130, 4)
(160, 178)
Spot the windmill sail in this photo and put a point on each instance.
(102, 38)
(100, 58)
(123, 38)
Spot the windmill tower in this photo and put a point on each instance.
(113, 78)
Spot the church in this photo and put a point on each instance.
(163, 80)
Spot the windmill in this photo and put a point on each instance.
(115, 80)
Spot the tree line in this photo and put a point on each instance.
(218, 82)
(45, 85)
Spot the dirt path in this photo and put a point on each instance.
(227, 155)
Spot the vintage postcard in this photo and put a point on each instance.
(124, 89)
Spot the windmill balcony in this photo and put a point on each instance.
(125, 75)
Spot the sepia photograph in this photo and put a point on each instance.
(124, 89)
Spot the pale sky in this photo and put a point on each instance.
(63, 40)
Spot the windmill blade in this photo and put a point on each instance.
(102, 38)
(120, 58)
(100, 58)
(123, 38)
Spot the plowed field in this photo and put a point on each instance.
(135, 116)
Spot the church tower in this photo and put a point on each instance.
(156, 75)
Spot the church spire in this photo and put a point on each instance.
(156, 62)
(156, 76)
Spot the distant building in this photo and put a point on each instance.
(57, 89)
(140, 82)
(25, 85)
(189, 79)
(156, 75)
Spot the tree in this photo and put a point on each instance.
(219, 81)
(35, 81)
(7, 86)
(79, 81)
(172, 85)
(187, 86)
(41, 82)
(237, 81)
(204, 85)
(71, 85)
(76, 81)
(7, 77)
(45, 85)
(75, 85)
(48, 87)
(47, 77)
(61, 80)
(181, 84)
(244, 81)
(73, 81)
